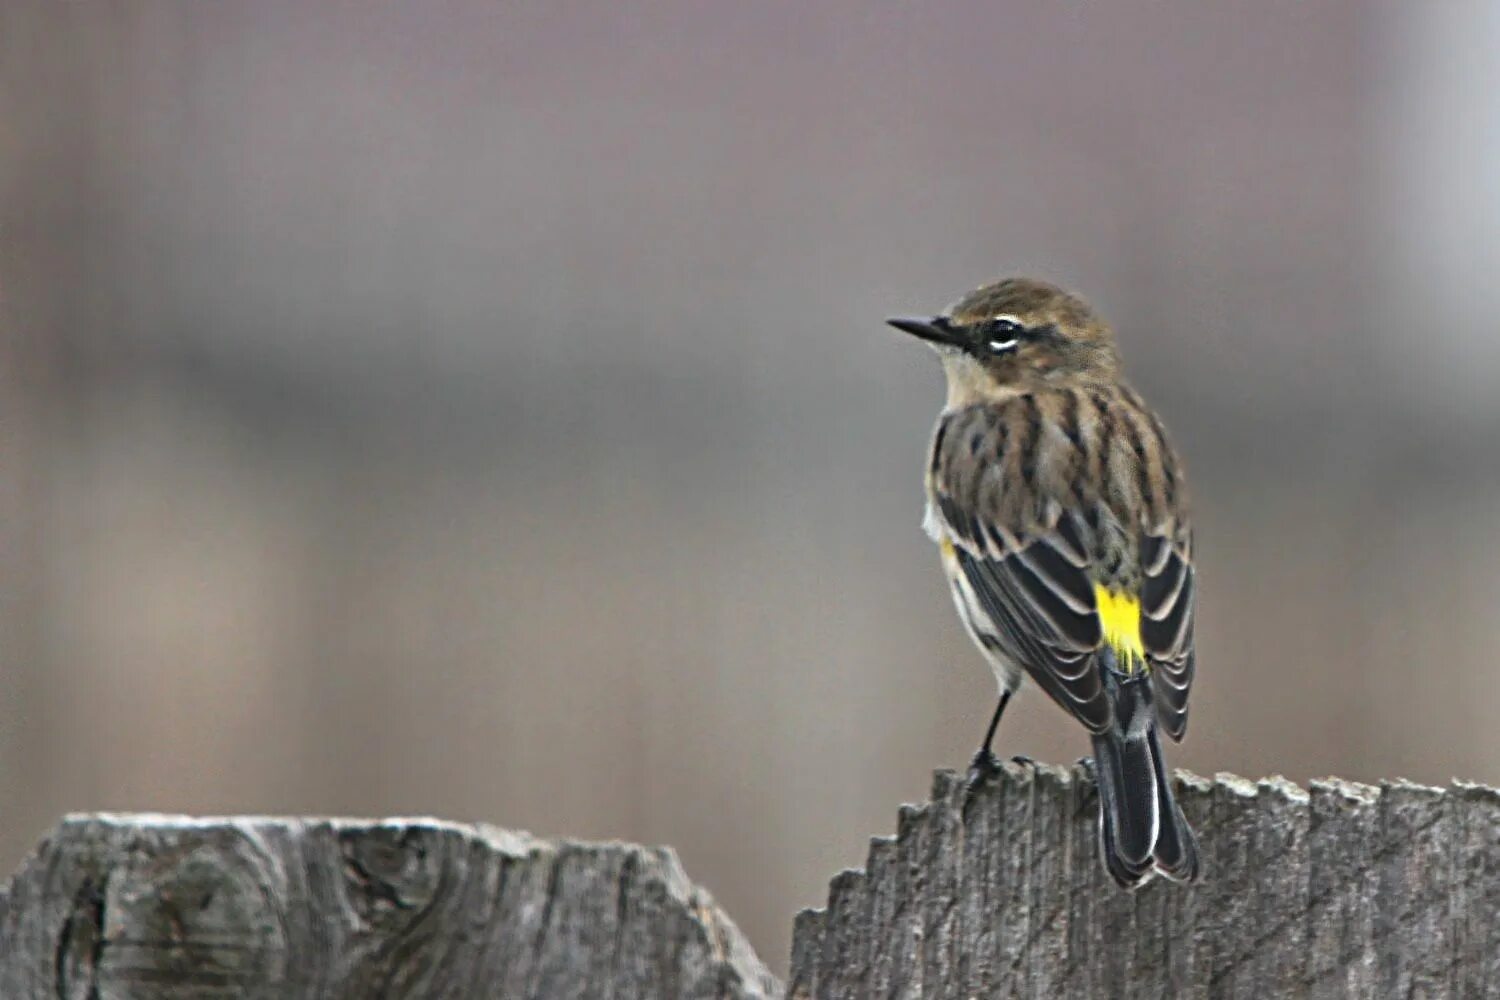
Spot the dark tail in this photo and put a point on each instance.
(1140, 826)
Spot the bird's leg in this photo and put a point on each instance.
(985, 764)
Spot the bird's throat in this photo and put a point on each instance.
(970, 382)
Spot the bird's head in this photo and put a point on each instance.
(1016, 334)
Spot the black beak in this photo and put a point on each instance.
(934, 330)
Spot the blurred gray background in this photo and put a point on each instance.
(484, 409)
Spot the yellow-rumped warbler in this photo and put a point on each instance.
(1060, 512)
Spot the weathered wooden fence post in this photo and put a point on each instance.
(117, 907)
(1341, 891)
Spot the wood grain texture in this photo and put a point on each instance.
(1342, 890)
(115, 907)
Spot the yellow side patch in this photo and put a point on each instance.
(1120, 620)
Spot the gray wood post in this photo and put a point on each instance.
(116, 907)
(1341, 891)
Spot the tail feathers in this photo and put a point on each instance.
(1127, 806)
(1176, 848)
(1141, 829)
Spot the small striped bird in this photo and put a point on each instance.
(1059, 509)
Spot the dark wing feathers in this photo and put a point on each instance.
(1066, 579)
(1044, 607)
(1067, 541)
(1167, 598)
(1063, 669)
(1053, 604)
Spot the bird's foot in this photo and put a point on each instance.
(984, 766)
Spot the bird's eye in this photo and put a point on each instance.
(1003, 334)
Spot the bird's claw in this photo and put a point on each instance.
(984, 766)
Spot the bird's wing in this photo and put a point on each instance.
(1042, 603)
(1168, 599)
(1027, 566)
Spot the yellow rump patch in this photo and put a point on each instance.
(1120, 620)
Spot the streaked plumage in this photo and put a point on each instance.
(1060, 512)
